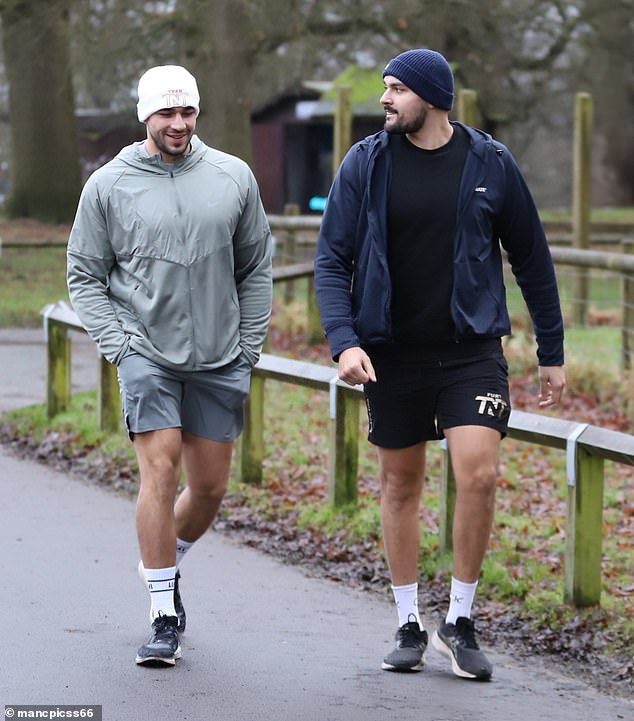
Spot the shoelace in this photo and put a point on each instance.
(409, 634)
(465, 632)
(162, 624)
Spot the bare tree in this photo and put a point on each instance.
(45, 172)
(525, 58)
(608, 74)
(219, 45)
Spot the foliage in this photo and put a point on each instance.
(524, 59)
(366, 84)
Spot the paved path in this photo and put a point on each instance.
(264, 641)
(23, 366)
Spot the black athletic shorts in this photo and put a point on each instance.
(414, 401)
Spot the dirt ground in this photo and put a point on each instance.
(31, 232)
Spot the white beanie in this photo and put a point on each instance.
(166, 86)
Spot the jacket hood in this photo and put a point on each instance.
(136, 156)
(480, 141)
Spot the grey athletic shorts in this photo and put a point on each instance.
(209, 403)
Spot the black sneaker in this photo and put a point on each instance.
(163, 647)
(178, 606)
(411, 643)
(457, 642)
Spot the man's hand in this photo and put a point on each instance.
(355, 367)
(552, 381)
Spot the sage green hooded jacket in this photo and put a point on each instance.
(172, 261)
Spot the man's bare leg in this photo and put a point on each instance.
(402, 473)
(207, 466)
(474, 457)
(159, 456)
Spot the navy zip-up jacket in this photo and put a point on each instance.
(352, 279)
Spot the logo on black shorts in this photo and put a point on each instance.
(492, 404)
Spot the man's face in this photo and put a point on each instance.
(404, 110)
(170, 131)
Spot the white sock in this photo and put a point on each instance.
(460, 600)
(181, 549)
(406, 598)
(160, 584)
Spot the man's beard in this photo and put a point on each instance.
(403, 127)
(163, 147)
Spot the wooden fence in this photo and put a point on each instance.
(586, 447)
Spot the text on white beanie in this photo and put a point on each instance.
(166, 86)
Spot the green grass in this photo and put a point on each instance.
(29, 279)
(76, 430)
(360, 522)
(604, 296)
(623, 214)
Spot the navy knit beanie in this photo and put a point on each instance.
(427, 73)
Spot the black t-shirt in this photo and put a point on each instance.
(422, 208)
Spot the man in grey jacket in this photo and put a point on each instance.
(169, 270)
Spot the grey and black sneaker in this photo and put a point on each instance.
(178, 606)
(163, 647)
(407, 655)
(458, 642)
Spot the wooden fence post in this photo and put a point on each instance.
(447, 501)
(58, 368)
(342, 131)
(627, 342)
(467, 107)
(290, 252)
(581, 200)
(582, 572)
(343, 457)
(252, 443)
(314, 331)
(108, 398)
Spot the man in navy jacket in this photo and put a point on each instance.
(408, 277)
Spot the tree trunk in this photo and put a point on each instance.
(45, 169)
(219, 53)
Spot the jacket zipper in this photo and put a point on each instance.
(179, 214)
